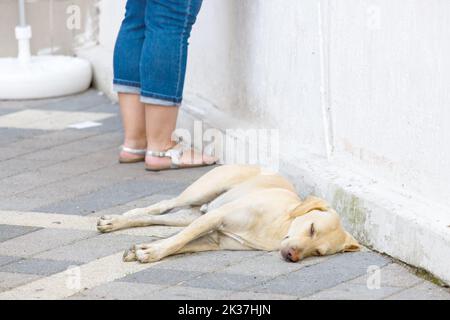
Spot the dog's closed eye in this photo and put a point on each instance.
(312, 230)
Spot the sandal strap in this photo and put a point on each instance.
(174, 154)
(133, 151)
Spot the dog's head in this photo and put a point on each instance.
(316, 230)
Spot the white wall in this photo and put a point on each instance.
(109, 22)
(260, 60)
(365, 79)
(384, 67)
(390, 90)
(362, 82)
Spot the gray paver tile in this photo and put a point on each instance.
(90, 144)
(79, 102)
(351, 291)
(23, 203)
(248, 295)
(143, 291)
(37, 266)
(40, 241)
(50, 155)
(26, 104)
(16, 166)
(158, 276)
(139, 203)
(13, 135)
(93, 248)
(9, 280)
(51, 139)
(207, 261)
(10, 152)
(40, 198)
(335, 270)
(117, 291)
(225, 281)
(119, 193)
(26, 181)
(88, 98)
(185, 293)
(109, 125)
(4, 260)
(392, 275)
(269, 264)
(10, 231)
(4, 111)
(423, 291)
(91, 162)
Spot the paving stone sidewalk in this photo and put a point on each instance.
(60, 179)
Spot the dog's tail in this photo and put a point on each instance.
(311, 203)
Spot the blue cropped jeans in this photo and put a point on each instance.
(150, 54)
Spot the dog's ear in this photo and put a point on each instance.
(311, 203)
(351, 245)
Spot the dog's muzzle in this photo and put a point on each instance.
(290, 254)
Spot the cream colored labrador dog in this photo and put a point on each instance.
(238, 207)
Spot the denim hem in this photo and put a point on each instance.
(120, 88)
(126, 83)
(159, 102)
(149, 94)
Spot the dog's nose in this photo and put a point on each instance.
(290, 254)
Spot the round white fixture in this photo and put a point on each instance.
(35, 77)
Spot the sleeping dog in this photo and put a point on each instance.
(238, 207)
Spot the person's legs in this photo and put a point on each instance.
(133, 119)
(163, 67)
(127, 81)
(160, 124)
(164, 55)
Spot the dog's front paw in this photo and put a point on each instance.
(149, 253)
(109, 223)
(129, 255)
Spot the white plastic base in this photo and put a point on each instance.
(43, 77)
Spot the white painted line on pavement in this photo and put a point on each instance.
(61, 285)
(48, 119)
(92, 274)
(74, 222)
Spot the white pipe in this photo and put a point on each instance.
(23, 35)
(22, 16)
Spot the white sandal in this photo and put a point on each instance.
(138, 152)
(175, 155)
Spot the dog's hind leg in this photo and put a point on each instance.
(180, 218)
(204, 190)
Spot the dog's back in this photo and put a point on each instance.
(243, 189)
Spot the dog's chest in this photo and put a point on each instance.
(254, 231)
